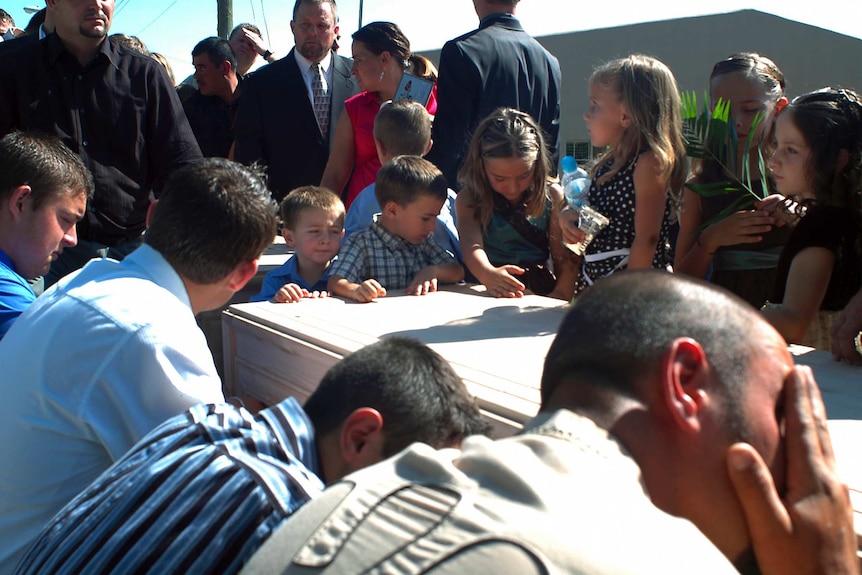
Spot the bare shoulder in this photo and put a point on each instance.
(648, 173)
(461, 200)
(647, 162)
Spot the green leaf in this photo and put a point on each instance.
(711, 135)
(761, 165)
(712, 189)
(745, 202)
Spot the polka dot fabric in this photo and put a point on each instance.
(616, 200)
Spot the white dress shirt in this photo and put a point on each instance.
(91, 367)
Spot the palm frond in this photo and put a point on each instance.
(741, 203)
(711, 135)
(712, 189)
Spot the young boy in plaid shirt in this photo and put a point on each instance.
(398, 251)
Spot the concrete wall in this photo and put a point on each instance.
(810, 57)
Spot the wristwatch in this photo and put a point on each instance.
(266, 55)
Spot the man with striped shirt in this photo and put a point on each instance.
(205, 489)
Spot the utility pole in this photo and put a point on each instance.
(225, 17)
(360, 13)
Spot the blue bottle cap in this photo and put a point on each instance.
(568, 164)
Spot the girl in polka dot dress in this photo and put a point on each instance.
(634, 109)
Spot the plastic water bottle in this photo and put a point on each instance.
(575, 182)
(576, 187)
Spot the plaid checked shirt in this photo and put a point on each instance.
(376, 253)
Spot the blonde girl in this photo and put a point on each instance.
(507, 210)
(635, 110)
(740, 251)
(818, 162)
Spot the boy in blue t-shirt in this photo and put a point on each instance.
(313, 225)
(44, 188)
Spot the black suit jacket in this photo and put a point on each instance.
(498, 64)
(19, 42)
(275, 123)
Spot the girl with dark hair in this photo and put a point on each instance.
(738, 252)
(818, 163)
(381, 56)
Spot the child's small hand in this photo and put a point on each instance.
(368, 291)
(572, 234)
(424, 282)
(501, 282)
(290, 293)
(746, 227)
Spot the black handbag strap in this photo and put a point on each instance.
(516, 217)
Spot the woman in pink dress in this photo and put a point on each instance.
(381, 56)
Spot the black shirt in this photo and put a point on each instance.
(119, 112)
(211, 119)
(836, 230)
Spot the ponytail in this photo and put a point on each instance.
(422, 67)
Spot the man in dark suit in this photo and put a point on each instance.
(40, 25)
(498, 64)
(276, 123)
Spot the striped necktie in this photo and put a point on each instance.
(321, 100)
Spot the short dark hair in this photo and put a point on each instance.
(332, 4)
(244, 26)
(304, 198)
(212, 216)
(6, 17)
(618, 330)
(218, 49)
(405, 178)
(404, 128)
(45, 164)
(417, 392)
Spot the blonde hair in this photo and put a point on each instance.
(167, 65)
(403, 127)
(648, 90)
(505, 133)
